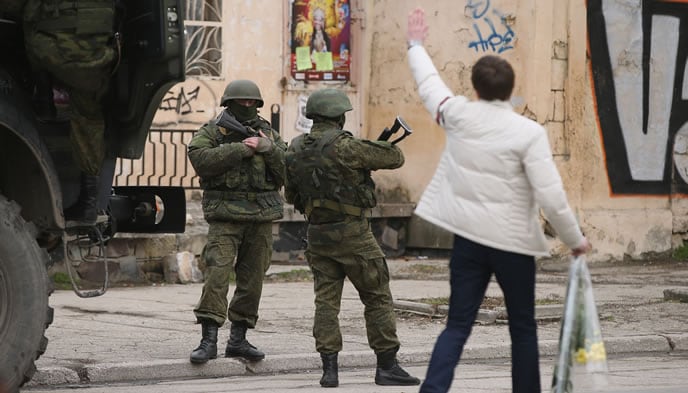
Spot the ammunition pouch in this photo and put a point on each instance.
(242, 206)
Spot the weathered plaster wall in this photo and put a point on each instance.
(633, 198)
(253, 41)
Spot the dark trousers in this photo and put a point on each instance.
(472, 266)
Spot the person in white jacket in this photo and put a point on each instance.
(494, 175)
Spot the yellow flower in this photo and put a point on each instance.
(597, 351)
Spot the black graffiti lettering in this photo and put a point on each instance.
(181, 102)
(636, 83)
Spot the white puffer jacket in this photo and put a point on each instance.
(494, 173)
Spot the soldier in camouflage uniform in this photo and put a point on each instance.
(241, 176)
(73, 42)
(328, 179)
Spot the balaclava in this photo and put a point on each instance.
(243, 113)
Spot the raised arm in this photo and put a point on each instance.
(432, 90)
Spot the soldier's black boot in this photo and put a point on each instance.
(390, 373)
(84, 211)
(207, 349)
(238, 346)
(330, 378)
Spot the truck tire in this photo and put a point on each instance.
(24, 291)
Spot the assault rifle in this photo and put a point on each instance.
(388, 132)
(229, 122)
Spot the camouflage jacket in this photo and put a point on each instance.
(239, 186)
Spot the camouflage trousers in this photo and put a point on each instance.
(241, 248)
(87, 133)
(349, 250)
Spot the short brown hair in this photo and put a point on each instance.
(493, 78)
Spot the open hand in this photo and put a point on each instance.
(417, 28)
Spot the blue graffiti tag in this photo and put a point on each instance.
(494, 41)
(478, 7)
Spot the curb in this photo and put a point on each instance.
(225, 367)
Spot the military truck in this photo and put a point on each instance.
(39, 178)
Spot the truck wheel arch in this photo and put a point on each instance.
(27, 172)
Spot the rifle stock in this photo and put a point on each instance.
(388, 132)
(229, 122)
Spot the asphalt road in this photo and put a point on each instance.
(628, 374)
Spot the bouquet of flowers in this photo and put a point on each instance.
(581, 349)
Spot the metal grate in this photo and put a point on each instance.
(164, 162)
(203, 34)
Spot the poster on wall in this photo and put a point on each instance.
(303, 124)
(320, 40)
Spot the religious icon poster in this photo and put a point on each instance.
(320, 40)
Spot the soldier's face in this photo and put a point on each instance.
(245, 102)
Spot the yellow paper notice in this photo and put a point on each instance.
(303, 58)
(323, 61)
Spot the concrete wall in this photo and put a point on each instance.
(608, 81)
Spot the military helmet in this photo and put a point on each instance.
(327, 103)
(242, 89)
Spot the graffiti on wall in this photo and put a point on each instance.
(491, 28)
(192, 97)
(181, 102)
(638, 52)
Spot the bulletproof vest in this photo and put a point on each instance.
(78, 17)
(322, 181)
